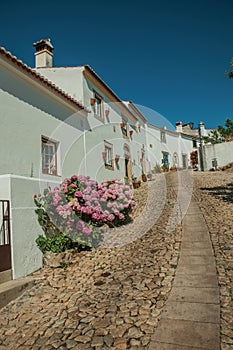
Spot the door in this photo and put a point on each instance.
(5, 246)
(184, 161)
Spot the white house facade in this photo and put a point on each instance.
(60, 121)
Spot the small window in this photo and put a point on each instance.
(98, 107)
(108, 148)
(49, 156)
(163, 136)
(194, 143)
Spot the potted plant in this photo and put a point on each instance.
(136, 183)
(165, 167)
(127, 181)
(117, 158)
(144, 178)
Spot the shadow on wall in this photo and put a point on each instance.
(224, 193)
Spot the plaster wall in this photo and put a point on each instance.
(26, 115)
(69, 79)
(26, 257)
(222, 152)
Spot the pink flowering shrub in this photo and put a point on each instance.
(80, 206)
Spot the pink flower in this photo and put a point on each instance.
(111, 217)
(87, 230)
(78, 193)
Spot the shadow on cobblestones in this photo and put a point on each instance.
(223, 192)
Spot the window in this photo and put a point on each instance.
(108, 152)
(98, 106)
(194, 143)
(163, 136)
(49, 156)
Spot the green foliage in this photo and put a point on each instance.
(222, 134)
(57, 243)
(165, 167)
(63, 264)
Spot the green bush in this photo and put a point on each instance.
(57, 243)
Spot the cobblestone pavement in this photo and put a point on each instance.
(214, 194)
(108, 298)
(112, 297)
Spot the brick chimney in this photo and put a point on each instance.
(179, 127)
(43, 54)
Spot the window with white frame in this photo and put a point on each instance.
(108, 151)
(98, 106)
(49, 156)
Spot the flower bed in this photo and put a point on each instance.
(78, 207)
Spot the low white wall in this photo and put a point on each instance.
(222, 152)
(26, 257)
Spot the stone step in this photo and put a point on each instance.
(12, 289)
(5, 276)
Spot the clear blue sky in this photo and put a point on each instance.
(168, 55)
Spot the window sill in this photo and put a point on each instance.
(51, 174)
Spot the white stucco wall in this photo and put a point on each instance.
(176, 143)
(26, 257)
(72, 80)
(26, 115)
(69, 79)
(222, 152)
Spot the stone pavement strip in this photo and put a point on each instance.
(191, 316)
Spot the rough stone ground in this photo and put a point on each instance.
(112, 297)
(108, 298)
(214, 193)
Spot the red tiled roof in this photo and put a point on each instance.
(39, 77)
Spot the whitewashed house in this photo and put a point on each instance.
(31, 109)
(117, 128)
(169, 148)
(60, 121)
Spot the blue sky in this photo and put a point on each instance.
(170, 56)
